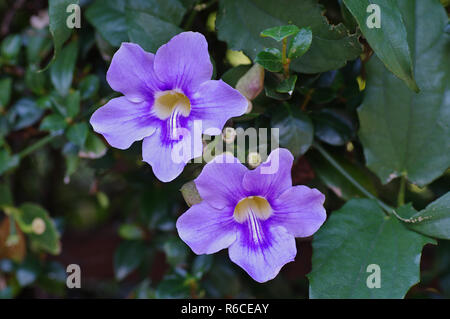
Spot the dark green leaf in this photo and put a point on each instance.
(239, 23)
(333, 126)
(10, 47)
(128, 257)
(281, 32)
(73, 104)
(7, 161)
(53, 123)
(359, 235)
(295, 129)
(89, 86)
(61, 71)
(58, 22)
(28, 272)
(93, 148)
(390, 40)
(35, 81)
(25, 112)
(172, 287)
(176, 251)
(5, 92)
(300, 43)
(433, 221)
(405, 133)
(202, 264)
(5, 195)
(131, 232)
(287, 85)
(270, 59)
(77, 134)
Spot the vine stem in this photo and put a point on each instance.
(33, 147)
(355, 183)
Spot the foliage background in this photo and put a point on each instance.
(104, 209)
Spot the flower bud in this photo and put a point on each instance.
(252, 83)
(190, 193)
(254, 159)
(38, 226)
(229, 135)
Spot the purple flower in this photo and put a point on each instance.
(164, 93)
(254, 214)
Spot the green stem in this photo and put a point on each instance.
(401, 192)
(284, 60)
(33, 147)
(355, 183)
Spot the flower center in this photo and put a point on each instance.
(168, 103)
(252, 207)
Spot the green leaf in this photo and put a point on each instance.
(37, 44)
(77, 134)
(7, 161)
(281, 32)
(128, 257)
(287, 85)
(131, 232)
(89, 86)
(432, 221)
(25, 112)
(239, 23)
(270, 59)
(73, 104)
(201, 265)
(28, 272)
(6, 198)
(35, 81)
(359, 235)
(300, 43)
(404, 133)
(148, 23)
(93, 148)
(47, 238)
(61, 71)
(390, 40)
(333, 126)
(10, 47)
(176, 251)
(295, 131)
(58, 23)
(53, 123)
(5, 92)
(173, 286)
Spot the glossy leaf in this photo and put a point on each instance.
(61, 70)
(405, 133)
(128, 257)
(270, 59)
(77, 133)
(280, 32)
(359, 235)
(300, 43)
(390, 41)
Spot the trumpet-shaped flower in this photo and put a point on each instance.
(164, 94)
(256, 214)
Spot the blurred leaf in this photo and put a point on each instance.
(73, 104)
(78, 133)
(128, 257)
(24, 113)
(131, 232)
(332, 46)
(89, 86)
(270, 59)
(295, 129)
(93, 148)
(58, 23)
(46, 237)
(172, 287)
(5, 92)
(390, 40)
(333, 126)
(28, 272)
(300, 43)
(405, 133)
(176, 251)
(10, 47)
(37, 45)
(7, 161)
(432, 221)
(201, 265)
(356, 236)
(35, 81)
(53, 123)
(61, 70)
(280, 32)
(6, 197)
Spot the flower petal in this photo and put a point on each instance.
(215, 102)
(122, 122)
(220, 182)
(264, 259)
(184, 62)
(131, 72)
(272, 177)
(168, 158)
(206, 229)
(300, 210)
